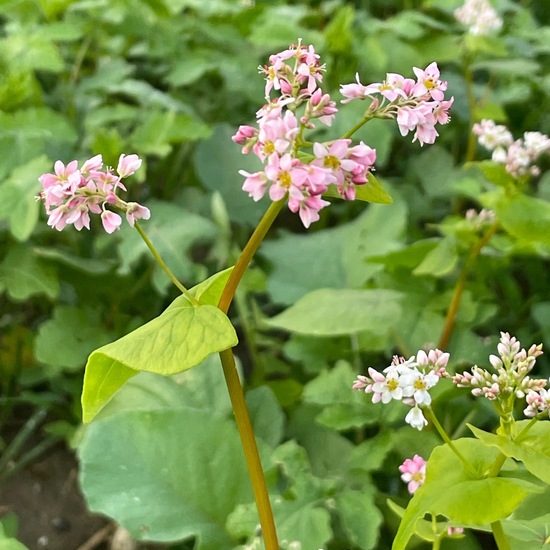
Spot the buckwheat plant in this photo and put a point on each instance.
(293, 170)
(473, 472)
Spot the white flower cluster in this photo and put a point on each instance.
(479, 16)
(407, 381)
(517, 156)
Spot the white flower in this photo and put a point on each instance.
(416, 418)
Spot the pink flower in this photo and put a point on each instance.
(353, 91)
(255, 184)
(285, 173)
(307, 207)
(111, 221)
(135, 211)
(429, 82)
(413, 472)
(127, 165)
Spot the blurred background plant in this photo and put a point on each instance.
(171, 80)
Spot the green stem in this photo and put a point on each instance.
(500, 537)
(235, 389)
(447, 439)
(252, 456)
(362, 122)
(525, 430)
(163, 265)
(461, 284)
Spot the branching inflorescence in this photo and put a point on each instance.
(294, 75)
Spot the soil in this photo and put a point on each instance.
(52, 513)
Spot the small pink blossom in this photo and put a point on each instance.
(135, 211)
(307, 207)
(413, 473)
(429, 82)
(127, 165)
(111, 221)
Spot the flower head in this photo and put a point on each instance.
(70, 194)
(413, 473)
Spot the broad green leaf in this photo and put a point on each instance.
(441, 260)
(202, 388)
(330, 312)
(267, 416)
(168, 475)
(496, 173)
(18, 204)
(180, 338)
(360, 517)
(526, 218)
(217, 162)
(59, 345)
(533, 449)
(27, 134)
(528, 534)
(160, 129)
(342, 408)
(435, 168)
(23, 275)
(409, 256)
(303, 263)
(451, 491)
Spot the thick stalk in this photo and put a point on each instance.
(500, 538)
(235, 389)
(460, 285)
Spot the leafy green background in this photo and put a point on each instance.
(171, 80)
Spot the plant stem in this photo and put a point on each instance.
(500, 537)
(460, 285)
(362, 122)
(447, 439)
(242, 416)
(252, 456)
(163, 265)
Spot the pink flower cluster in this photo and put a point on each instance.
(418, 105)
(71, 193)
(407, 381)
(512, 367)
(517, 156)
(295, 75)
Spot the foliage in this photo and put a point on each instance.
(171, 81)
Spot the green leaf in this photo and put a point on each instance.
(217, 162)
(533, 449)
(179, 339)
(451, 491)
(26, 134)
(23, 275)
(330, 312)
(371, 191)
(18, 204)
(496, 173)
(160, 129)
(58, 343)
(267, 416)
(526, 218)
(202, 388)
(303, 263)
(441, 260)
(168, 474)
(341, 408)
(361, 519)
